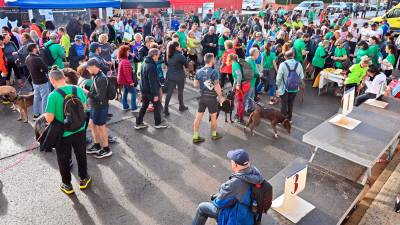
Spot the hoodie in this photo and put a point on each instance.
(234, 197)
(149, 83)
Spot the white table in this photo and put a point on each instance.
(326, 77)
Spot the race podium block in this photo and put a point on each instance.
(289, 204)
(342, 119)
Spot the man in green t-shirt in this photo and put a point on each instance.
(182, 36)
(69, 140)
(299, 47)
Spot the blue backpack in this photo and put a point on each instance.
(293, 80)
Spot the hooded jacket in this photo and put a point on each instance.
(149, 84)
(234, 198)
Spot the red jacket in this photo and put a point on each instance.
(3, 67)
(125, 72)
(225, 68)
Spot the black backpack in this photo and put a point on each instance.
(46, 55)
(74, 113)
(262, 194)
(247, 72)
(111, 89)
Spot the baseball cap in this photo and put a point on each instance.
(78, 37)
(93, 62)
(239, 156)
(93, 46)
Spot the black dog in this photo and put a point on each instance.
(227, 106)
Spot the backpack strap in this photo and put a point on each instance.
(74, 91)
(61, 92)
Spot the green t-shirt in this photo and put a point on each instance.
(236, 70)
(356, 74)
(216, 15)
(261, 14)
(373, 54)
(299, 45)
(253, 66)
(339, 52)
(360, 53)
(221, 46)
(268, 60)
(182, 39)
(55, 105)
(311, 16)
(328, 35)
(319, 57)
(391, 59)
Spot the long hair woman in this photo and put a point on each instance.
(125, 78)
(175, 74)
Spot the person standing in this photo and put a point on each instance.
(175, 75)
(98, 102)
(10, 51)
(299, 47)
(94, 53)
(210, 42)
(225, 69)
(74, 26)
(249, 97)
(150, 89)
(182, 36)
(285, 78)
(65, 40)
(125, 78)
(69, 139)
(56, 50)
(221, 42)
(208, 81)
(233, 201)
(3, 68)
(175, 23)
(77, 52)
(38, 70)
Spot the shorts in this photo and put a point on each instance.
(209, 102)
(99, 117)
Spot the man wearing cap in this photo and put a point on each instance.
(232, 202)
(56, 50)
(94, 53)
(77, 52)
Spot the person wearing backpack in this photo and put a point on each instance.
(99, 95)
(56, 50)
(252, 77)
(288, 80)
(66, 105)
(233, 203)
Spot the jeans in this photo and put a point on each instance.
(132, 90)
(41, 92)
(287, 101)
(205, 210)
(364, 97)
(157, 110)
(64, 154)
(249, 99)
(171, 86)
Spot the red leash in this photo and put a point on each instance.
(26, 153)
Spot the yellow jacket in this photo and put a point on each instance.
(65, 42)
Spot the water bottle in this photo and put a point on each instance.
(254, 207)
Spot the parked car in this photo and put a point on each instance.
(305, 6)
(252, 4)
(337, 6)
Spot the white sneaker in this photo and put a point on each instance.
(135, 111)
(140, 126)
(161, 126)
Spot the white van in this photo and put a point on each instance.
(252, 4)
(305, 6)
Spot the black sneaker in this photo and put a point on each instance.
(94, 149)
(105, 152)
(83, 184)
(140, 126)
(67, 189)
(198, 140)
(183, 108)
(216, 137)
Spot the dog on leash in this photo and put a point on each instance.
(23, 102)
(227, 106)
(274, 116)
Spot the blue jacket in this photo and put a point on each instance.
(175, 25)
(234, 198)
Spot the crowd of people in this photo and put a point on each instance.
(270, 52)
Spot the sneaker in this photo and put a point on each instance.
(135, 110)
(183, 108)
(198, 140)
(125, 110)
(216, 137)
(140, 126)
(94, 149)
(105, 152)
(67, 189)
(84, 183)
(161, 126)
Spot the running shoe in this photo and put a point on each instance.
(94, 149)
(83, 184)
(140, 126)
(216, 137)
(67, 189)
(105, 152)
(198, 140)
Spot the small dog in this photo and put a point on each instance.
(23, 102)
(272, 115)
(227, 106)
(118, 87)
(190, 70)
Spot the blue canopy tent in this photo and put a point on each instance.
(136, 4)
(63, 4)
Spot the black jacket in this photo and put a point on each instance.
(142, 53)
(73, 28)
(111, 33)
(73, 57)
(37, 68)
(175, 64)
(147, 28)
(206, 44)
(149, 84)
(98, 92)
(51, 136)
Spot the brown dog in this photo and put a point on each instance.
(8, 93)
(23, 102)
(272, 115)
(117, 87)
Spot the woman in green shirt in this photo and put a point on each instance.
(362, 50)
(320, 55)
(389, 61)
(269, 71)
(373, 50)
(340, 54)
